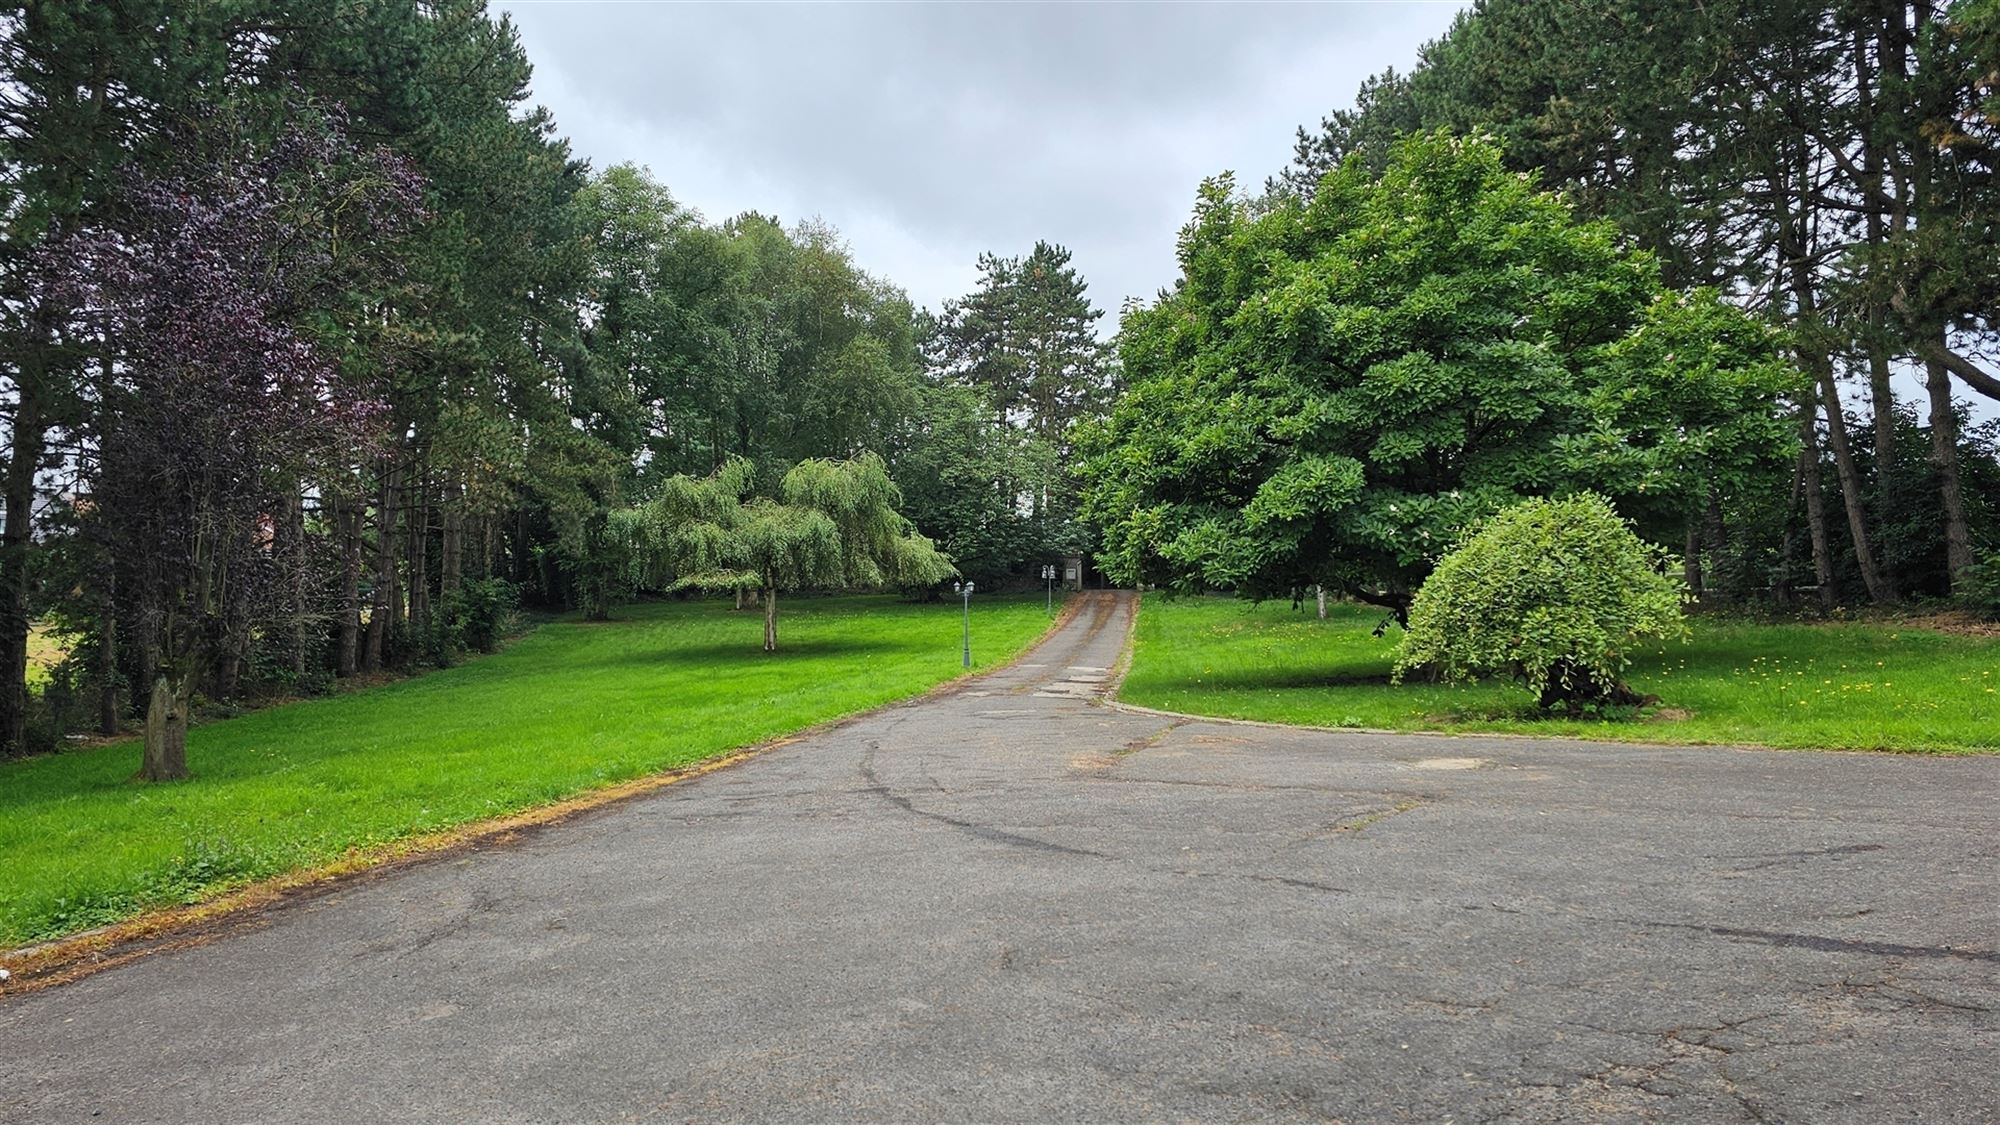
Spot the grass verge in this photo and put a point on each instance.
(571, 708)
(1854, 686)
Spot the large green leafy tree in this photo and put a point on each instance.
(832, 526)
(1336, 389)
(956, 467)
(1831, 165)
(746, 339)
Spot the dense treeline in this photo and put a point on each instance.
(319, 349)
(1828, 165)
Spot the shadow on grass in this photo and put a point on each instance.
(1277, 679)
(746, 652)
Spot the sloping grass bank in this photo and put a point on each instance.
(1835, 686)
(572, 707)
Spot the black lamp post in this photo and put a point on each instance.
(964, 591)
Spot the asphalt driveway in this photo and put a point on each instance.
(1018, 903)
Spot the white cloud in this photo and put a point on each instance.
(930, 133)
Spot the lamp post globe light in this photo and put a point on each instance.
(964, 591)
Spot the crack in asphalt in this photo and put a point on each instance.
(1776, 859)
(972, 828)
(1904, 997)
(1255, 877)
(1821, 944)
(459, 922)
(1146, 742)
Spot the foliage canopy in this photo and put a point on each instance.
(1835, 168)
(1337, 388)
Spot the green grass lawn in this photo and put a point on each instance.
(1834, 686)
(46, 649)
(572, 706)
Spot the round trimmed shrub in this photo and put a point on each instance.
(1551, 592)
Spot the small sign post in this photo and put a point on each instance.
(1049, 575)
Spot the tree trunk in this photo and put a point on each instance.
(597, 602)
(16, 540)
(522, 559)
(1788, 542)
(143, 661)
(107, 658)
(1691, 557)
(451, 544)
(1815, 500)
(383, 596)
(1715, 543)
(228, 671)
(1320, 593)
(1944, 455)
(396, 523)
(166, 733)
(420, 577)
(347, 523)
(1879, 587)
(1883, 400)
(292, 550)
(1572, 690)
(1874, 161)
(107, 611)
(770, 619)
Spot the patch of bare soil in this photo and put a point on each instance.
(1957, 622)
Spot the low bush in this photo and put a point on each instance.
(480, 612)
(1979, 589)
(1551, 592)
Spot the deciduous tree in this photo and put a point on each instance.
(832, 526)
(1336, 389)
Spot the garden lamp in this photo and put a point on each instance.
(964, 591)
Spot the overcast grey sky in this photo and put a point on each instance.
(930, 133)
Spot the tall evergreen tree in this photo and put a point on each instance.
(1028, 337)
(85, 86)
(1026, 340)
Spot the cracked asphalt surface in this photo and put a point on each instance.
(1017, 902)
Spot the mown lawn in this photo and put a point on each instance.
(1832, 686)
(571, 707)
(46, 649)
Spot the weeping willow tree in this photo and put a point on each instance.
(833, 526)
